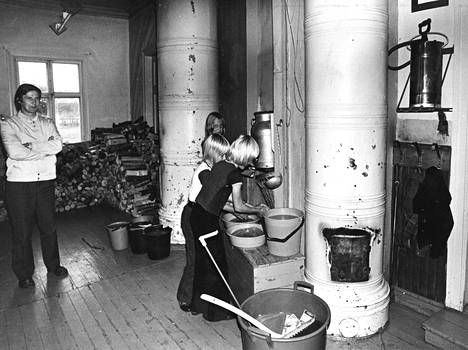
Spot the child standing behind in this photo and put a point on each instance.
(214, 124)
(214, 148)
(224, 178)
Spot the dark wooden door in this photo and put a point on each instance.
(412, 268)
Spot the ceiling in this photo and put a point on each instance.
(109, 8)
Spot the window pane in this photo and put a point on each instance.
(67, 118)
(33, 73)
(66, 78)
(44, 106)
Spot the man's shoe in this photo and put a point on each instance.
(59, 271)
(26, 283)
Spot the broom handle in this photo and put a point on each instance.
(240, 313)
(203, 242)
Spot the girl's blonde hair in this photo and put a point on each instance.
(214, 148)
(243, 151)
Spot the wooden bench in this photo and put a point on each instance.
(254, 270)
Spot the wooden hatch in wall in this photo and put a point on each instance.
(413, 269)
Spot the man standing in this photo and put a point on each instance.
(31, 142)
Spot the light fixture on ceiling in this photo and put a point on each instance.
(69, 9)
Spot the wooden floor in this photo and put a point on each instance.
(118, 300)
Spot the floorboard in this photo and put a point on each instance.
(3, 332)
(119, 300)
(71, 316)
(58, 322)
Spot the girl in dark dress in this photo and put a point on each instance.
(214, 148)
(217, 185)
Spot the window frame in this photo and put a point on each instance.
(51, 94)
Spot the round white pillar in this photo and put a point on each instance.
(188, 92)
(346, 119)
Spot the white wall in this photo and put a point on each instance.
(451, 20)
(101, 43)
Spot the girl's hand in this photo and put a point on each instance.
(262, 209)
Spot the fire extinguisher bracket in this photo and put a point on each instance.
(425, 77)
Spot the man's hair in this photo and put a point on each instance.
(22, 90)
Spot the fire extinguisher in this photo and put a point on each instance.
(426, 78)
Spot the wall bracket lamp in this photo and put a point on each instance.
(67, 13)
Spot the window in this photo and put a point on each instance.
(60, 83)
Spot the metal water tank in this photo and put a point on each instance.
(262, 132)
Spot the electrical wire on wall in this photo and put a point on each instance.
(298, 99)
(278, 136)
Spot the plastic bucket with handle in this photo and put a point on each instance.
(118, 235)
(282, 230)
(289, 301)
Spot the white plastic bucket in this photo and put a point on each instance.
(283, 230)
(118, 235)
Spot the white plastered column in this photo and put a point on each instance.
(346, 120)
(187, 52)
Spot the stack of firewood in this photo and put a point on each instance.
(83, 177)
(120, 168)
(136, 190)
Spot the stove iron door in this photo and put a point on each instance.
(349, 254)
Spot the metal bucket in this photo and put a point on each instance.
(274, 301)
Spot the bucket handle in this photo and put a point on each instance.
(304, 285)
(282, 240)
(117, 227)
(261, 334)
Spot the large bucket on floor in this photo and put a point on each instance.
(143, 218)
(274, 301)
(118, 235)
(283, 230)
(158, 242)
(136, 236)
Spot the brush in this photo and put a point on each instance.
(202, 240)
(240, 313)
(301, 330)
